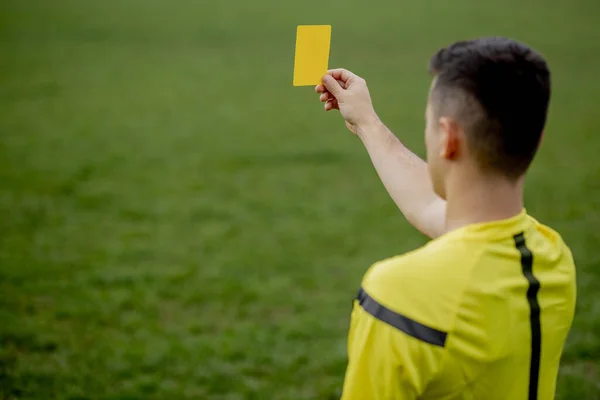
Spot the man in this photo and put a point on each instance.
(483, 310)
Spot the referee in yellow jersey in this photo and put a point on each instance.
(483, 310)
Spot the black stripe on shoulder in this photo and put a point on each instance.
(400, 322)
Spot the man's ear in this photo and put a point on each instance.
(449, 138)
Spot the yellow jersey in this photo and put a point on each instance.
(480, 313)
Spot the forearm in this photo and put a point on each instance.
(406, 179)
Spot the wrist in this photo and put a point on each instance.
(371, 128)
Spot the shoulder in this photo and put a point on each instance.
(551, 253)
(424, 285)
(548, 241)
(435, 263)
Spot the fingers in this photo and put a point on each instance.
(325, 97)
(331, 89)
(322, 89)
(333, 86)
(341, 74)
(331, 104)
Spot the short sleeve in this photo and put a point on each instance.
(384, 361)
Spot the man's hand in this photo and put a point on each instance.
(347, 92)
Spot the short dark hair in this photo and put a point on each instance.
(499, 91)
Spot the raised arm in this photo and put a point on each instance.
(403, 173)
(406, 179)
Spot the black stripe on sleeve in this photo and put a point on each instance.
(400, 322)
(534, 317)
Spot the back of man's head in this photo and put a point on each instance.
(498, 91)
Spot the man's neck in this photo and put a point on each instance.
(478, 200)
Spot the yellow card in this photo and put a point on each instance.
(312, 54)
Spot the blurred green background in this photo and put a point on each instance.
(179, 222)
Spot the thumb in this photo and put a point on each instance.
(333, 86)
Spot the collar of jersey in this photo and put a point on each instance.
(499, 229)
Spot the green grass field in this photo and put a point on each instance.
(179, 222)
